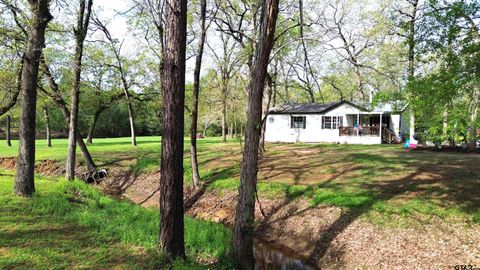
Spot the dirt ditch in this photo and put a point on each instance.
(44, 168)
(328, 236)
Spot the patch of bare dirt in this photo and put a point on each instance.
(8, 163)
(49, 168)
(45, 167)
(142, 189)
(334, 238)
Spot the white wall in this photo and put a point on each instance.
(395, 124)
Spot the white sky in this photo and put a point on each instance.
(118, 28)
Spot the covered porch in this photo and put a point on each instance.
(371, 124)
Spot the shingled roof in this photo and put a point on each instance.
(310, 108)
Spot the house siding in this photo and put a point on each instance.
(278, 128)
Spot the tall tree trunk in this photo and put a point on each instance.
(266, 108)
(472, 142)
(224, 110)
(131, 117)
(8, 134)
(91, 131)
(411, 61)
(445, 127)
(274, 94)
(80, 33)
(131, 113)
(242, 247)
(196, 90)
(24, 184)
(47, 126)
(171, 181)
(234, 127)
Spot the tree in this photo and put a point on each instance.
(56, 96)
(6, 105)
(227, 63)
(80, 33)
(196, 90)
(411, 58)
(47, 126)
(173, 85)
(123, 77)
(24, 184)
(7, 131)
(244, 216)
(103, 91)
(13, 40)
(450, 33)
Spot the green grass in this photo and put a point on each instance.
(376, 180)
(73, 225)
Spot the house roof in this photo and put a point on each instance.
(311, 108)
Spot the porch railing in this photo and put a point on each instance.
(364, 131)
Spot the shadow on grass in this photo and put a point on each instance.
(432, 185)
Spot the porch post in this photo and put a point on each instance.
(381, 116)
(358, 124)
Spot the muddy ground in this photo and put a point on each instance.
(328, 236)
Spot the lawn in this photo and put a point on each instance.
(381, 185)
(72, 225)
(378, 180)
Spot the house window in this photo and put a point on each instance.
(327, 122)
(298, 122)
(332, 122)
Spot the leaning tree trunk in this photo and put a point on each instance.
(244, 216)
(47, 126)
(6, 107)
(196, 90)
(57, 98)
(472, 143)
(171, 240)
(24, 178)
(83, 21)
(91, 131)
(7, 132)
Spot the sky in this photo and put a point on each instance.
(118, 28)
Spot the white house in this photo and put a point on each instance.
(334, 122)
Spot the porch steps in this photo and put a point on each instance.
(388, 136)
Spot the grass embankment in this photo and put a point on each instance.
(380, 182)
(69, 225)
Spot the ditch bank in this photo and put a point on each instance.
(296, 235)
